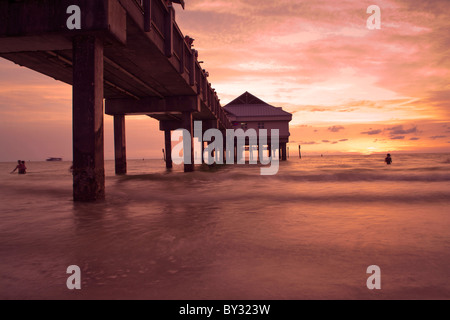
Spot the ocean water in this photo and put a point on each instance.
(310, 232)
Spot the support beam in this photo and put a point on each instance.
(188, 125)
(88, 149)
(224, 135)
(283, 149)
(145, 106)
(120, 145)
(171, 125)
(168, 148)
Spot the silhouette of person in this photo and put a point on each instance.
(21, 167)
(388, 159)
(19, 163)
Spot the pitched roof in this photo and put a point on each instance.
(247, 105)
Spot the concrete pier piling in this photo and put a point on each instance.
(283, 150)
(120, 145)
(187, 123)
(168, 148)
(88, 152)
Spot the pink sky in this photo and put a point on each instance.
(350, 89)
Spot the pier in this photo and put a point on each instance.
(122, 58)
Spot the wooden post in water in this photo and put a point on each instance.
(168, 148)
(120, 144)
(224, 135)
(88, 141)
(283, 151)
(188, 125)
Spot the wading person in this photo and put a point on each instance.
(19, 163)
(21, 167)
(388, 159)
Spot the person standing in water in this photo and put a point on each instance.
(21, 167)
(388, 159)
(19, 164)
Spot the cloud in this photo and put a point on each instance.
(414, 139)
(372, 132)
(319, 110)
(308, 143)
(336, 128)
(398, 138)
(321, 58)
(397, 130)
(437, 137)
(343, 140)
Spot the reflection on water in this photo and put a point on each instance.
(308, 233)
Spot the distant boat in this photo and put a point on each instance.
(54, 159)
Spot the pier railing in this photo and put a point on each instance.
(159, 21)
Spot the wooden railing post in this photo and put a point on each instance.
(147, 15)
(168, 32)
(192, 68)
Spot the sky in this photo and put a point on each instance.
(350, 89)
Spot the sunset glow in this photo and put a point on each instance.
(224, 155)
(349, 88)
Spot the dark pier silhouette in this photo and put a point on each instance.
(130, 54)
